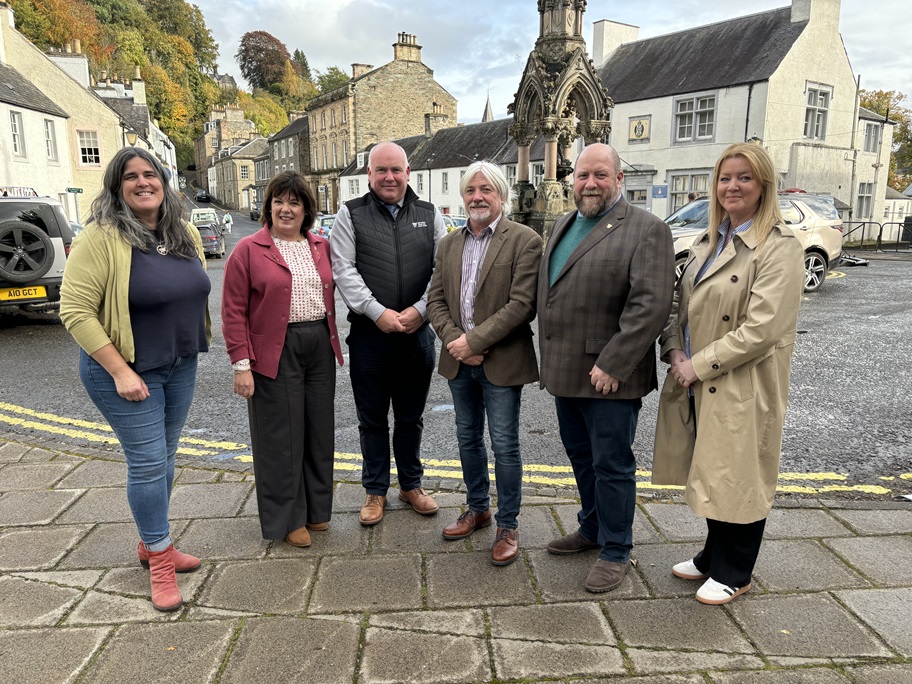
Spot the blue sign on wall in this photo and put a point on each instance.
(659, 191)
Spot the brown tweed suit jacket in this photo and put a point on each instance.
(608, 305)
(504, 303)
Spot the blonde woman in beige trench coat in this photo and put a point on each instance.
(729, 341)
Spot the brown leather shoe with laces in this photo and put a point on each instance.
(467, 523)
(420, 500)
(506, 546)
(372, 510)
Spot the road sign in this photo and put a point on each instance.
(75, 191)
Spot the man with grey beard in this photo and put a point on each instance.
(604, 294)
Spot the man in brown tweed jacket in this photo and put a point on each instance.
(604, 294)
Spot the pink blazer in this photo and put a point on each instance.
(256, 299)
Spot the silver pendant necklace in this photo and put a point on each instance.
(161, 249)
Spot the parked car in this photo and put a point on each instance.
(35, 239)
(323, 225)
(213, 240)
(202, 196)
(255, 209)
(76, 228)
(454, 222)
(813, 218)
(202, 217)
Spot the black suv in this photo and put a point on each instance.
(35, 239)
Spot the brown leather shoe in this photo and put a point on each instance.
(571, 543)
(372, 510)
(318, 527)
(467, 523)
(299, 537)
(606, 575)
(420, 500)
(506, 546)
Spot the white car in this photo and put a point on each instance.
(813, 218)
(202, 217)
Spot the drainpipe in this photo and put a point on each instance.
(852, 194)
(750, 93)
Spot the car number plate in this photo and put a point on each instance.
(12, 294)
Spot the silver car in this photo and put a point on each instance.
(813, 218)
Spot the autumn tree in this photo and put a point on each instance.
(331, 79)
(302, 66)
(261, 57)
(53, 23)
(889, 103)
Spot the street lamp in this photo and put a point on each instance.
(131, 137)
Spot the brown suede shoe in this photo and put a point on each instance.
(318, 527)
(420, 500)
(506, 546)
(571, 543)
(372, 510)
(299, 537)
(606, 575)
(467, 523)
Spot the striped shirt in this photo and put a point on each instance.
(473, 254)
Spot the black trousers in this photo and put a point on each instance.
(292, 431)
(390, 369)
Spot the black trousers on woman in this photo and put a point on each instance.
(292, 430)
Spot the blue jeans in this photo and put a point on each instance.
(598, 437)
(473, 396)
(148, 431)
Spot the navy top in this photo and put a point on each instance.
(167, 308)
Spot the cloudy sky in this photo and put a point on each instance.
(475, 49)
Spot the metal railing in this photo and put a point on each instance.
(871, 235)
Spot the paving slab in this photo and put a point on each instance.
(231, 476)
(526, 659)
(35, 507)
(651, 662)
(11, 452)
(789, 523)
(224, 538)
(196, 476)
(61, 653)
(407, 532)
(203, 613)
(349, 497)
(220, 500)
(389, 655)
(468, 622)
(884, 560)
(250, 505)
(563, 578)
(346, 535)
(804, 625)
(663, 679)
(470, 580)
(654, 562)
(643, 530)
(110, 545)
(106, 504)
(78, 579)
(37, 548)
(371, 583)
(886, 611)
(877, 522)
(293, 650)
(97, 473)
(180, 653)
(682, 624)
(881, 674)
(37, 455)
(135, 581)
(804, 676)
(33, 604)
(803, 565)
(536, 528)
(269, 586)
(571, 623)
(676, 522)
(98, 608)
(21, 476)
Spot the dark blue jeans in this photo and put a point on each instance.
(148, 431)
(473, 397)
(598, 436)
(390, 369)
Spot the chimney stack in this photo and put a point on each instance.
(407, 48)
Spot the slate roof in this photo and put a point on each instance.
(17, 91)
(734, 52)
(137, 116)
(894, 194)
(411, 145)
(462, 145)
(295, 127)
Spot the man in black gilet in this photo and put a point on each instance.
(383, 247)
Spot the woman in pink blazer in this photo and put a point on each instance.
(279, 325)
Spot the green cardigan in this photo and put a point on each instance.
(94, 296)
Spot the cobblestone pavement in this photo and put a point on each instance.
(830, 604)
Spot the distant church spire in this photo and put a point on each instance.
(488, 112)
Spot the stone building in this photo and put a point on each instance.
(396, 100)
(226, 127)
(234, 174)
(288, 148)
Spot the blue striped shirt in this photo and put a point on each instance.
(473, 255)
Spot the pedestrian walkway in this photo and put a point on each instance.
(831, 601)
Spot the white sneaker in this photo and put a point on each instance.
(715, 593)
(687, 570)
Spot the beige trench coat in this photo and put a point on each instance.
(742, 316)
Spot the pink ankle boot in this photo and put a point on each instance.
(183, 562)
(165, 594)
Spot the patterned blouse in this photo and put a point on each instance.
(306, 286)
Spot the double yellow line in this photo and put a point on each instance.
(535, 474)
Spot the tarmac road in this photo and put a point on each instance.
(848, 415)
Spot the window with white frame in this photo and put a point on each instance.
(18, 133)
(636, 196)
(323, 120)
(420, 182)
(89, 149)
(360, 160)
(333, 118)
(684, 183)
(335, 156)
(353, 185)
(818, 108)
(50, 140)
(344, 114)
(344, 151)
(315, 159)
(276, 169)
(445, 181)
(325, 158)
(245, 172)
(275, 151)
(291, 147)
(538, 173)
(284, 167)
(284, 149)
(695, 118)
(872, 137)
(865, 200)
(511, 175)
(291, 166)
(214, 142)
